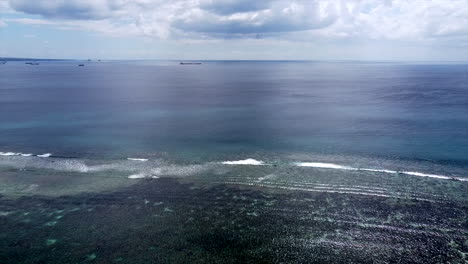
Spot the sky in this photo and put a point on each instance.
(402, 30)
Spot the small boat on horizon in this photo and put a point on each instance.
(190, 63)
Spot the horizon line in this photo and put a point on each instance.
(299, 60)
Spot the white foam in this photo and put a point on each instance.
(382, 170)
(137, 176)
(137, 159)
(142, 176)
(324, 165)
(9, 154)
(342, 167)
(141, 169)
(244, 162)
(267, 177)
(420, 174)
(15, 154)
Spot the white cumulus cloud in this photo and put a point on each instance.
(416, 20)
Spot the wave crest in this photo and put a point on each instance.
(245, 162)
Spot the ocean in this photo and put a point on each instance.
(233, 161)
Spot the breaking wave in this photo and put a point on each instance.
(137, 159)
(143, 168)
(245, 162)
(324, 165)
(15, 154)
(342, 167)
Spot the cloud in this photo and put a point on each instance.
(72, 9)
(228, 7)
(2, 24)
(295, 20)
(281, 16)
(4, 6)
(182, 17)
(401, 20)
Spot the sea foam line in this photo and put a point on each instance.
(250, 161)
(322, 165)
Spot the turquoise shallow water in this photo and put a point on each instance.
(327, 162)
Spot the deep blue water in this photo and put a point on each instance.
(217, 109)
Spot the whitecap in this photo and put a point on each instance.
(244, 162)
(137, 176)
(15, 154)
(381, 170)
(341, 167)
(137, 159)
(9, 154)
(324, 165)
(142, 176)
(45, 155)
(420, 174)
